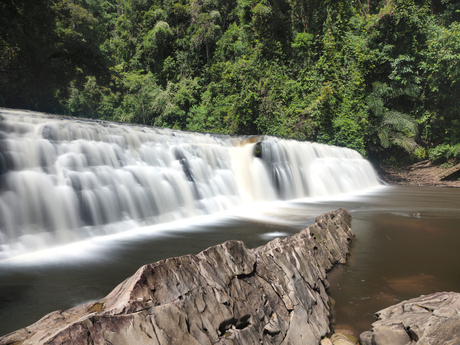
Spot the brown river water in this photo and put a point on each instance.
(396, 256)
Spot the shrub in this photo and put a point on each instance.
(444, 152)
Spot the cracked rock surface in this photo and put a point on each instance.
(426, 320)
(227, 294)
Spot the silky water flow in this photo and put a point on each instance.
(64, 180)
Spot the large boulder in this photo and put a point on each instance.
(427, 320)
(227, 294)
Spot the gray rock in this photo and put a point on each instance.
(227, 294)
(426, 320)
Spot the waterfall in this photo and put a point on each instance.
(65, 179)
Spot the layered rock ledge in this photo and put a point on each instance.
(426, 320)
(227, 294)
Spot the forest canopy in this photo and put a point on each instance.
(381, 77)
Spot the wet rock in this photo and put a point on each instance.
(432, 319)
(227, 294)
(343, 339)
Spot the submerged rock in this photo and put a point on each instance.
(426, 320)
(227, 294)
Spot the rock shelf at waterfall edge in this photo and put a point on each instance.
(227, 294)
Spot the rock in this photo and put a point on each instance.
(326, 341)
(227, 294)
(343, 339)
(426, 320)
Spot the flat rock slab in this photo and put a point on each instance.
(427, 320)
(227, 294)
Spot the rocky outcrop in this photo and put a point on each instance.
(227, 294)
(427, 320)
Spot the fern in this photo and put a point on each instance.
(400, 122)
(393, 127)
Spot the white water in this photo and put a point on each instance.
(64, 180)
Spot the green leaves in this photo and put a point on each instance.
(441, 67)
(392, 127)
(85, 102)
(443, 152)
(363, 76)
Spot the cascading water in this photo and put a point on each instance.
(65, 179)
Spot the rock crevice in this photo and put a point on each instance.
(227, 294)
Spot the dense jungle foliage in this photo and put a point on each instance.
(381, 77)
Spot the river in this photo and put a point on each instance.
(396, 256)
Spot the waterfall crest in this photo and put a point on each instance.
(64, 179)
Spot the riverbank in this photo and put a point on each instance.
(421, 174)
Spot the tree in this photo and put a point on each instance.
(47, 45)
(441, 120)
(391, 127)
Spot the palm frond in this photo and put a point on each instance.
(400, 121)
(384, 137)
(376, 104)
(403, 141)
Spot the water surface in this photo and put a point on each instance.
(396, 256)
